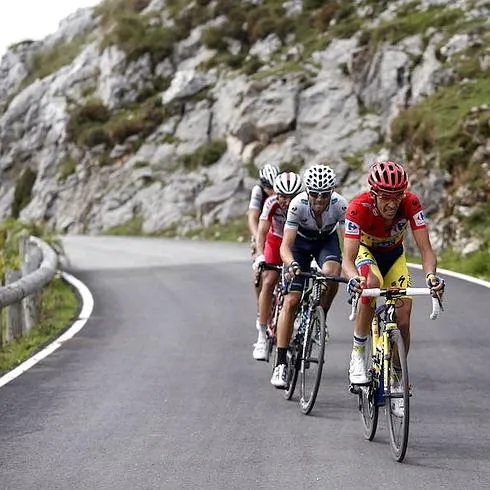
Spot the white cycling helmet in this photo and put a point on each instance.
(267, 175)
(287, 184)
(319, 178)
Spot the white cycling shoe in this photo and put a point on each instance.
(260, 350)
(357, 369)
(279, 376)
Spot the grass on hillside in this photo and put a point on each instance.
(59, 307)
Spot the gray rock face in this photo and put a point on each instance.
(339, 105)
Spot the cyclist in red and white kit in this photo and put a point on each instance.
(260, 192)
(375, 225)
(269, 237)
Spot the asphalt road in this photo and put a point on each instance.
(160, 390)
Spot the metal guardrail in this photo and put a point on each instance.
(20, 296)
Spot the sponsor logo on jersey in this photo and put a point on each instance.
(398, 227)
(352, 227)
(419, 218)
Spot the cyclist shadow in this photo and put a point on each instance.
(331, 407)
(456, 454)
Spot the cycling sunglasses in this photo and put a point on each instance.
(391, 196)
(320, 195)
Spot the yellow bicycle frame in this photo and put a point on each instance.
(381, 350)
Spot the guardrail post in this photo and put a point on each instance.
(13, 321)
(32, 257)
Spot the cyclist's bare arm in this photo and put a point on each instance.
(429, 259)
(351, 249)
(253, 219)
(264, 226)
(288, 239)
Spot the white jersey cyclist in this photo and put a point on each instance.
(257, 198)
(300, 216)
(258, 195)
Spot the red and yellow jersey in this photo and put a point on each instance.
(363, 221)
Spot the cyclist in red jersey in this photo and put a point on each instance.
(376, 222)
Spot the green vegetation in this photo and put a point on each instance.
(294, 165)
(93, 124)
(44, 63)
(67, 167)
(205, 155)
(443, 123)
(59, 307)
(231, 231)
(136, 37)
(476, 264)
(23, 191)
(133, 227)
(58, 301)
(10, 232)
(408, 23)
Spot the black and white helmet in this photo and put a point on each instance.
(267, 174)
(287, 184)
(319, 178)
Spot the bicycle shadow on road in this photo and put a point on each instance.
(454, 455)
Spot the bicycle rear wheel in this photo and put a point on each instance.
(398, 406)
(367, 397)
(313, 355)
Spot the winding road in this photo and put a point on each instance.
(159, 390)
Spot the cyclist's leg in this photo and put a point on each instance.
(399, 276)
(368, 268)
(273, 257)
(302, 255)
(253, 251)
(269, 279)
(329, 257)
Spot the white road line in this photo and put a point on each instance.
(86, 311)
(458, 275)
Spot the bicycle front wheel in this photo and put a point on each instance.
(367, 397)
(312, 360)
(398, 403)
(293, 368)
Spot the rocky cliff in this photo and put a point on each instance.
(154, 116)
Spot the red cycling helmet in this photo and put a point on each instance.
(387, 177)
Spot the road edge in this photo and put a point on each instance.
(87, 307)
(458, 275)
